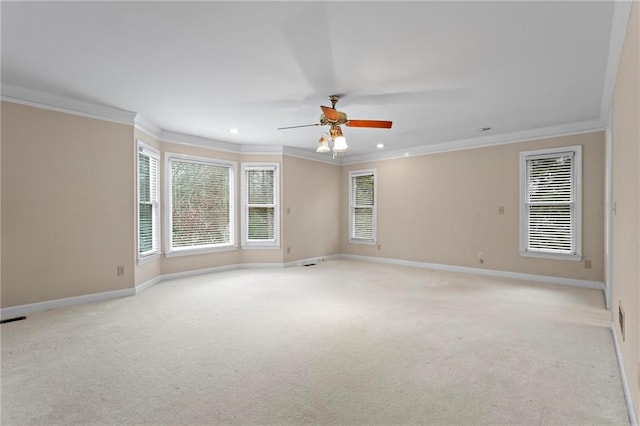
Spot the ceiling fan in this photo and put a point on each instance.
(334, 119)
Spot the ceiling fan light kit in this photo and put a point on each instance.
(323, 145)
(332, 117)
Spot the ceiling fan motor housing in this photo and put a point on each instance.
(342, 119)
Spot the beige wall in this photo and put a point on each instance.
(626, 196)
(97, 160)
(169, 265)
(311, 200)
(67, 203)
(443, 208)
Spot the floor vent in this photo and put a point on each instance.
(13, 320)
(310, 264)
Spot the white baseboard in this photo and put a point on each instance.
(598, 285)
(148, 284)
(184, 274)
(23, 310)
(260, 266)
(311, 260)
(219, 269)
(625, 385)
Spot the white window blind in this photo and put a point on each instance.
(201, 203)
(551, 202)
(260, 199)
(363, 206)
(148, 202)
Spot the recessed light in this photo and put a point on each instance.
(234, 131)
(484, 129)
(380, 146)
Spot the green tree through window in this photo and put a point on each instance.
(200, 204)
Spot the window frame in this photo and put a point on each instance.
(171, 251)
(352, 239)
(153, 153)
(266, 244)
(576, 204)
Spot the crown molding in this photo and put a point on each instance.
(198, 141)
(261, 149)
(34, 98)
(484, 141)
(308, 155)
(52, 102)
(621, 14)
(147, 126)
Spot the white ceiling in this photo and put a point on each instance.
(438, 70)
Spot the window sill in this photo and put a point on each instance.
(148, 258)
(365, 242)
(554, 256)
(260, 246)
(200, 250)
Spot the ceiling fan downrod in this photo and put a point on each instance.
(334, 100)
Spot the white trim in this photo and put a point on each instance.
(221, 268)
(310, 155)
(177, 252)
(542, 133)
(556, 256)
(374, 219)
(233, 226)
(311, 260)
(148, 284)
(23, 310)
(608, 210)
(52, 102)
(621, 14)
(267, 244)
(34, 98)
(151, 152)
(149, 258)
(261, 149)
(198, 141)
(625, 385)
(147, 126)
(577, 202)
(363, 242)
(597, 285)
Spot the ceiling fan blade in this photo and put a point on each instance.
(378, 124)
(330, 113)
(295, 127)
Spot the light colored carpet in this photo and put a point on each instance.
(343, 342)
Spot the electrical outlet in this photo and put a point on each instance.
(480, 257)
(501, 210)
(587, 264)
(288, 250)
(379, 246)
(120, 270)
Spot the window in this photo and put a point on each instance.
(148, 202)
(201, 201)
(362, 211)
(550, 203)
(260, 217)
